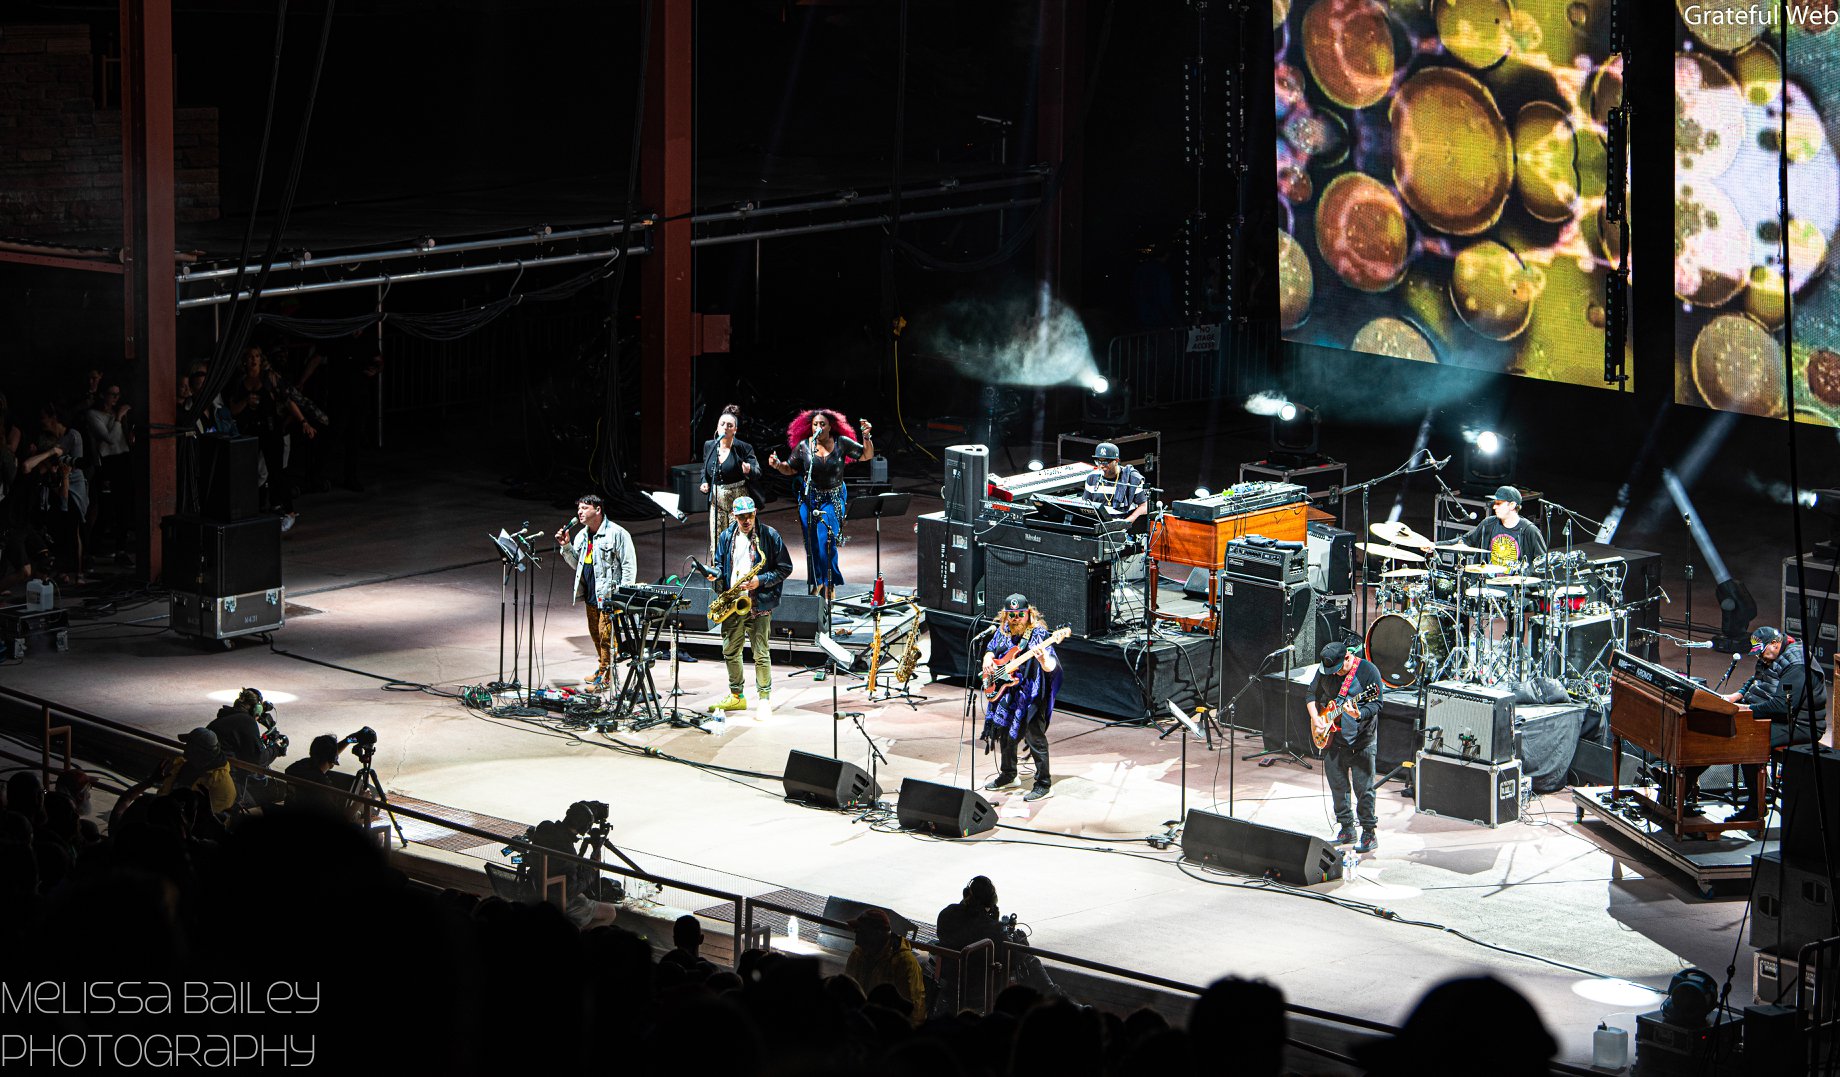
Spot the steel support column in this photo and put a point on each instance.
(149, 296)
(1059, 95)
(667, 326)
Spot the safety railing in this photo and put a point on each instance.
(981, 953)
(1186, 364)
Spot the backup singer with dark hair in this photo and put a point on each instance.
(822, 443)
(728, 463)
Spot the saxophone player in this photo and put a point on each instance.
(746, 547)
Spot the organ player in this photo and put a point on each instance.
(1790, 690)
(1119, 487)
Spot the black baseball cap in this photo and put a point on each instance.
(1763, 637)
(1506, 493)
(1016, 603)
(1333, 654)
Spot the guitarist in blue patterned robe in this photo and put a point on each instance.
(1347, 682)
(1023, 710)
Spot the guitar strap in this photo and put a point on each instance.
(1347, 683)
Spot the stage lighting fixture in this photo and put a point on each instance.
(1488, 462)
(1099, 385)
(1104, 404)
(1034, 465)
(1295, 434)
(1201, 491)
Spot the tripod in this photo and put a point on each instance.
(595, 842)
(365, 783)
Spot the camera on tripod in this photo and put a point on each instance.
(364, 740)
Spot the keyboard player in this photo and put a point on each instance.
(1789, 689)
(1118, 486)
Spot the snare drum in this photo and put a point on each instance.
(1393, 639)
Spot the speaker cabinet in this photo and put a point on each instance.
(1591, 765)
(227, 477)
(943, 809)
(1066, 591)
(1791, 903)
(1588, 642)
(216, 558)
(796, 616)
(1472, 722)
(1803, 819)
(1257, 619)
(951, 565)
(967, 474)
(1331, 554)
(828, 783)
(695, 616)
(1257, 849)
(687, 484)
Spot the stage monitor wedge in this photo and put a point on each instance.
(1259, 850)
(824, 782)
(943, 809)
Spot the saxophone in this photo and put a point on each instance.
(910, 657)
(735, 600)
(875, 654)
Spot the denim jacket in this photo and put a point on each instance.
(615, 563)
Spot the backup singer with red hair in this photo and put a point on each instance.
(822, 442)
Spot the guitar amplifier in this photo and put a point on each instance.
(1486, 793)
(1470, 722)
(1266, 561)
(951, 564)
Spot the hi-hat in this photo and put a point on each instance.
(1458, 547)
(1404, 574)
(1391, 553)
(1486, 569)
(1516, 581)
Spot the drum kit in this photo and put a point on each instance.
(1448, 613)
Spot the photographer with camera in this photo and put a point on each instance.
(307, 776)
(975, 917)
(246, 729)
(580, 832)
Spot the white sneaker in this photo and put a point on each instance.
(763, 710)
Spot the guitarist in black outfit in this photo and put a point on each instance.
(1022, 712)
(1345, 680)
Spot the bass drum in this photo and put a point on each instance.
(1392, 641)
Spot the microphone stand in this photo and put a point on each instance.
(1284, 729)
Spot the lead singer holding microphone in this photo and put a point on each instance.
(601, 554)
(822, 443)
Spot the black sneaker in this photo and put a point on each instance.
(1369, 842)
(1038, 793)
(1001, 781)
(1346, 837)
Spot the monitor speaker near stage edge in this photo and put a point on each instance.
(227, 478)
(796, 616)
(1258, 618)
(216, 559)
(1259, 850)
(828, 783)
(1066, 591)
(967, 475)
(943, 809)
(951, 564)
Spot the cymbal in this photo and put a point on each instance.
(1391, 553)
(1458, 547)
(1404, 574)
(1398, 533)
(1515, 581)
(1485, 570)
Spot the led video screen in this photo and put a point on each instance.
(1728, 233)
(1440, 168)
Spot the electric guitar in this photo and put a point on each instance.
(1328, 722)
(1003, 678)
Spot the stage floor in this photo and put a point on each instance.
(400, 589)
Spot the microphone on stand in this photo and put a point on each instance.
(1735, 659)
(989, 631)
(1281, 650)
(1439, 464)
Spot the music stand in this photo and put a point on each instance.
(668, 506)
(514, 553)
(863, 508)
(1190, 729)
(840, 660)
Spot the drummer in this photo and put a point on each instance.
(1512, 543)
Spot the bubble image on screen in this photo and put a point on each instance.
(1728, 231)
(1440, 168)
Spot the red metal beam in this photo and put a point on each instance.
(667, 328)
(1059, 88)
(59, 261)
(149, 295)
